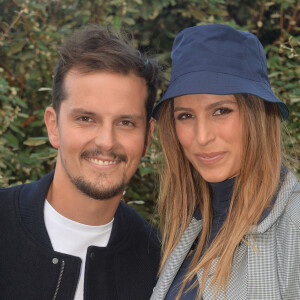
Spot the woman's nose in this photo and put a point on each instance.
(204, 132)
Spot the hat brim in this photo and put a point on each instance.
(219, 84)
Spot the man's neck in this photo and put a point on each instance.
(66, 199)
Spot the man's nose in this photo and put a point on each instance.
(105, 137)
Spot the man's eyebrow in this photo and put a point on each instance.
(132, 117)
(76, 111)
(82, 111)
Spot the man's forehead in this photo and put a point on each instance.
(81, 71)
(105, 93)
(76, 75)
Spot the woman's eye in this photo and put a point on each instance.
(222, 111)
(184, 116)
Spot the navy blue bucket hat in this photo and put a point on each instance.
(218, 59)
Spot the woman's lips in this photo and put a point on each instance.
(210, 158)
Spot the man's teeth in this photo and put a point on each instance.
(102, 162)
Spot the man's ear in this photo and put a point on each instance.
(148, 135)
(51, 124)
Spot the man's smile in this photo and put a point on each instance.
(102, 162)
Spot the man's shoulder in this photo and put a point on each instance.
(134, 215)
(45, 180)
(9, 192)
(138, 225)
(25, 191)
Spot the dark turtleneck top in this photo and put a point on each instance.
(222, 192)
(221, 195)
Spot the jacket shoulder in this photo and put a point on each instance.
(288, 247)
(140, 227)
(9, 193)
(292, 211)
(32, 187)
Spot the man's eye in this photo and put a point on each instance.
(85, 119)
(222, 111)
(184, 116)
(127, 123)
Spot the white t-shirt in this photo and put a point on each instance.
(70, 237)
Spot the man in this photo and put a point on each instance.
(68, 235)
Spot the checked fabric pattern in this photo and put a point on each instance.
(176, 259)
(269, 269)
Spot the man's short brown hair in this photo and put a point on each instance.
(95, 48)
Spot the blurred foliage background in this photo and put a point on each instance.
(31, 30)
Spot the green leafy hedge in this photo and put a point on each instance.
(31, 30)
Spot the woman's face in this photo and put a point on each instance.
(209, 130)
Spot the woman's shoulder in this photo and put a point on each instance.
(291, 212)
(288, 245)
(285, 210)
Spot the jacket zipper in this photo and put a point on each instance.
(62, 268)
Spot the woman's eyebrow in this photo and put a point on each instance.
(180, 108)
(222, 102)
(210, 106)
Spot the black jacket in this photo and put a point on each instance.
(31, 269)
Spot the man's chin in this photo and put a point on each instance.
(96, 192)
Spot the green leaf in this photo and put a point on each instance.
(16, 129)
(44, 155)
(12, 140)
(117, 22)
(129, 21)
(16, 48)
(42, 89)
(36, 141)
(145, 170)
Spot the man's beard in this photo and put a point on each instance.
(97, 190)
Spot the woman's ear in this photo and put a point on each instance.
(148, 135)
(52, 128)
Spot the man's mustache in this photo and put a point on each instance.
(111, 154)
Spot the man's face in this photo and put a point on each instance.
(100, 133)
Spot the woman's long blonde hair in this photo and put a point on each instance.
(183, 189)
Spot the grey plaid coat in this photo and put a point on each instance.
(272, 271)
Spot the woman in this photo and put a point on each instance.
(230, 210)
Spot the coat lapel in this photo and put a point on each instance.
(176, 259)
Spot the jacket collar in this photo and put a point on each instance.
(31, 206)
(176, 259)
(286, 189)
